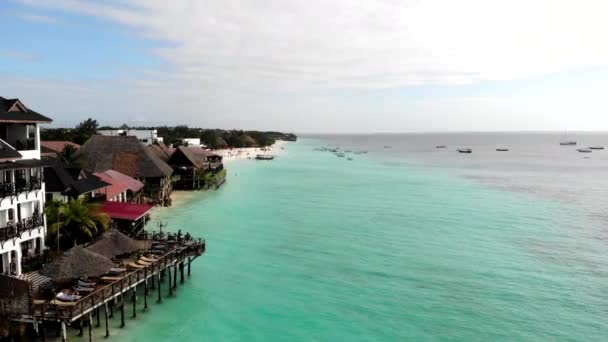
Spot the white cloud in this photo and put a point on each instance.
(256, 51)
(38, 18)
(365, 43)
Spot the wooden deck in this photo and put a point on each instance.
(146, 273)
(177, 258)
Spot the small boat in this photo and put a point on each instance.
(440, 146)
(349, 158)
(502, 149)
(387, 146)
(264, 157)
(584, 150)
(596, 147)
(568, 143)
(465, 150)
(340, 154)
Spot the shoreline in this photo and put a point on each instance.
(232, 154)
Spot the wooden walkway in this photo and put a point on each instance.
(103, 300)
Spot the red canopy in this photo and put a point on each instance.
(126, 211)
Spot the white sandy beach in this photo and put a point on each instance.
(230, 154)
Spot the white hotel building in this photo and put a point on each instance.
(22, 220)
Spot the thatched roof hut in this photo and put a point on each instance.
(124, 154)
(114, 243)
(77, 262)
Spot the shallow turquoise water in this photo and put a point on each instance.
(311, 247)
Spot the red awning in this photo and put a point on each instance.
(126, 211)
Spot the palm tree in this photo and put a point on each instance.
(54, 211)
(67, 155)
(77, 221)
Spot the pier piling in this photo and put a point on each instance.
(98, 318)
(80, 327)
(134, 301)
(146, 294)
(181, 272)
(122, 311)
(189, 262)
(175, 276)
(106, 319)
(169, 277)
(42, 331)
(64, 335)
(90, 327)
(160, 298)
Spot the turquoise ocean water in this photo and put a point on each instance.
(388, 247)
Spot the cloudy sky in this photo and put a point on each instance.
(313, 65)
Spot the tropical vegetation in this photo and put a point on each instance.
(76, 222)
(213, 138)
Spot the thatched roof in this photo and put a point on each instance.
(124, 154)
(184, 156)
(77, 262)
(159, 152)
(113, 243)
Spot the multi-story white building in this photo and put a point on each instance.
(145, 136)
(22, 221)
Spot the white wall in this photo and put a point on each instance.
(146, 136)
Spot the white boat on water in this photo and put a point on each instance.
(596, 147)
(584, 150)
(264, 157)
(568, 143)
(502, 149)
(440, 146)
(465, 150)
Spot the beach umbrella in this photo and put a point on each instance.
(113, 243)
(77, 262)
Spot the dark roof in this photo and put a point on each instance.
(77, 262)
(159, 152)
(124, 154)
(71, 181)
(23, 164)
(23, 115)
(7, 151)
(113, 243)
(183, 156)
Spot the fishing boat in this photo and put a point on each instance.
(349, 158)
(340, 154)
(566, 142)
(264, 157)
(596, 147)
(502, 149)
(440, 146)
(584, 150)
(465, 150)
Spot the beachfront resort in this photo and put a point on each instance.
(74, 248)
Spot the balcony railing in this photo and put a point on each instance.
(13, 230)
(20, 186)
(25, 144)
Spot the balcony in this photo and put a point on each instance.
(25, 144)
(25, 185)
(14, 230)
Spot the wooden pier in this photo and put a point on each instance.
(116, 293)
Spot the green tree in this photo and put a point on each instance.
(75, 222)
(67, 155)
(85, 130)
